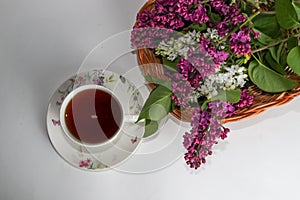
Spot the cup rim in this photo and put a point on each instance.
(66, 101)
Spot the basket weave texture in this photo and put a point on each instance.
(151, 66)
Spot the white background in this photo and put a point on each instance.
(43, 42)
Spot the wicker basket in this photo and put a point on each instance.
(151, 65)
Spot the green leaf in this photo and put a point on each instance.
(159, 111)
(150, 127)
(293, 59)
(204, 105)
(157, 81)
(267, 24)
(158, 104)
(286, 14)
(279, 53)
(280, 47)
(265, 39)
(197, 27)
(171, 65)
(273, 64)
(292, 42)
(214, 18)
(269, 80)
(296, 5)
(232, 96)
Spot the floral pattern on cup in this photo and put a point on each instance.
(98, 77)
(94, 77)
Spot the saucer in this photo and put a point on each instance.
(80, 156)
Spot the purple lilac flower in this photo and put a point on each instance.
(181, 89)
(205, 132)
(217, 4)
(218, 56)
(147, 33)
(202, 59)
(204, 66)
(188, 2)
(223, 28)
(183, 10)
(220, 7)
(207, 129)
(185, 68)
(199, 15)
(235, 16)
(221, 110)
(231, 16)
(240, 41)
(241, 48)
(213, 57)
(195, 79)
(150, 37)
(200, 120)
(245, 101)
(229, 13)
(217, 131)
(189, 73)
(201, 62)
(255, 34)
(164, 15)
(176, 23)
(187, 139)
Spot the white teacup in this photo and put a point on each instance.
(92, 123)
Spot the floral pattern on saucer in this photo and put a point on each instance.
(81, 157)
(89, 164)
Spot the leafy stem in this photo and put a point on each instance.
(257, 59)
(275, 43)
(269, 12)
(250, 18)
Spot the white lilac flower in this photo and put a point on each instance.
(231, 78)
(177, 47)
(212, 34)
(215, 38)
